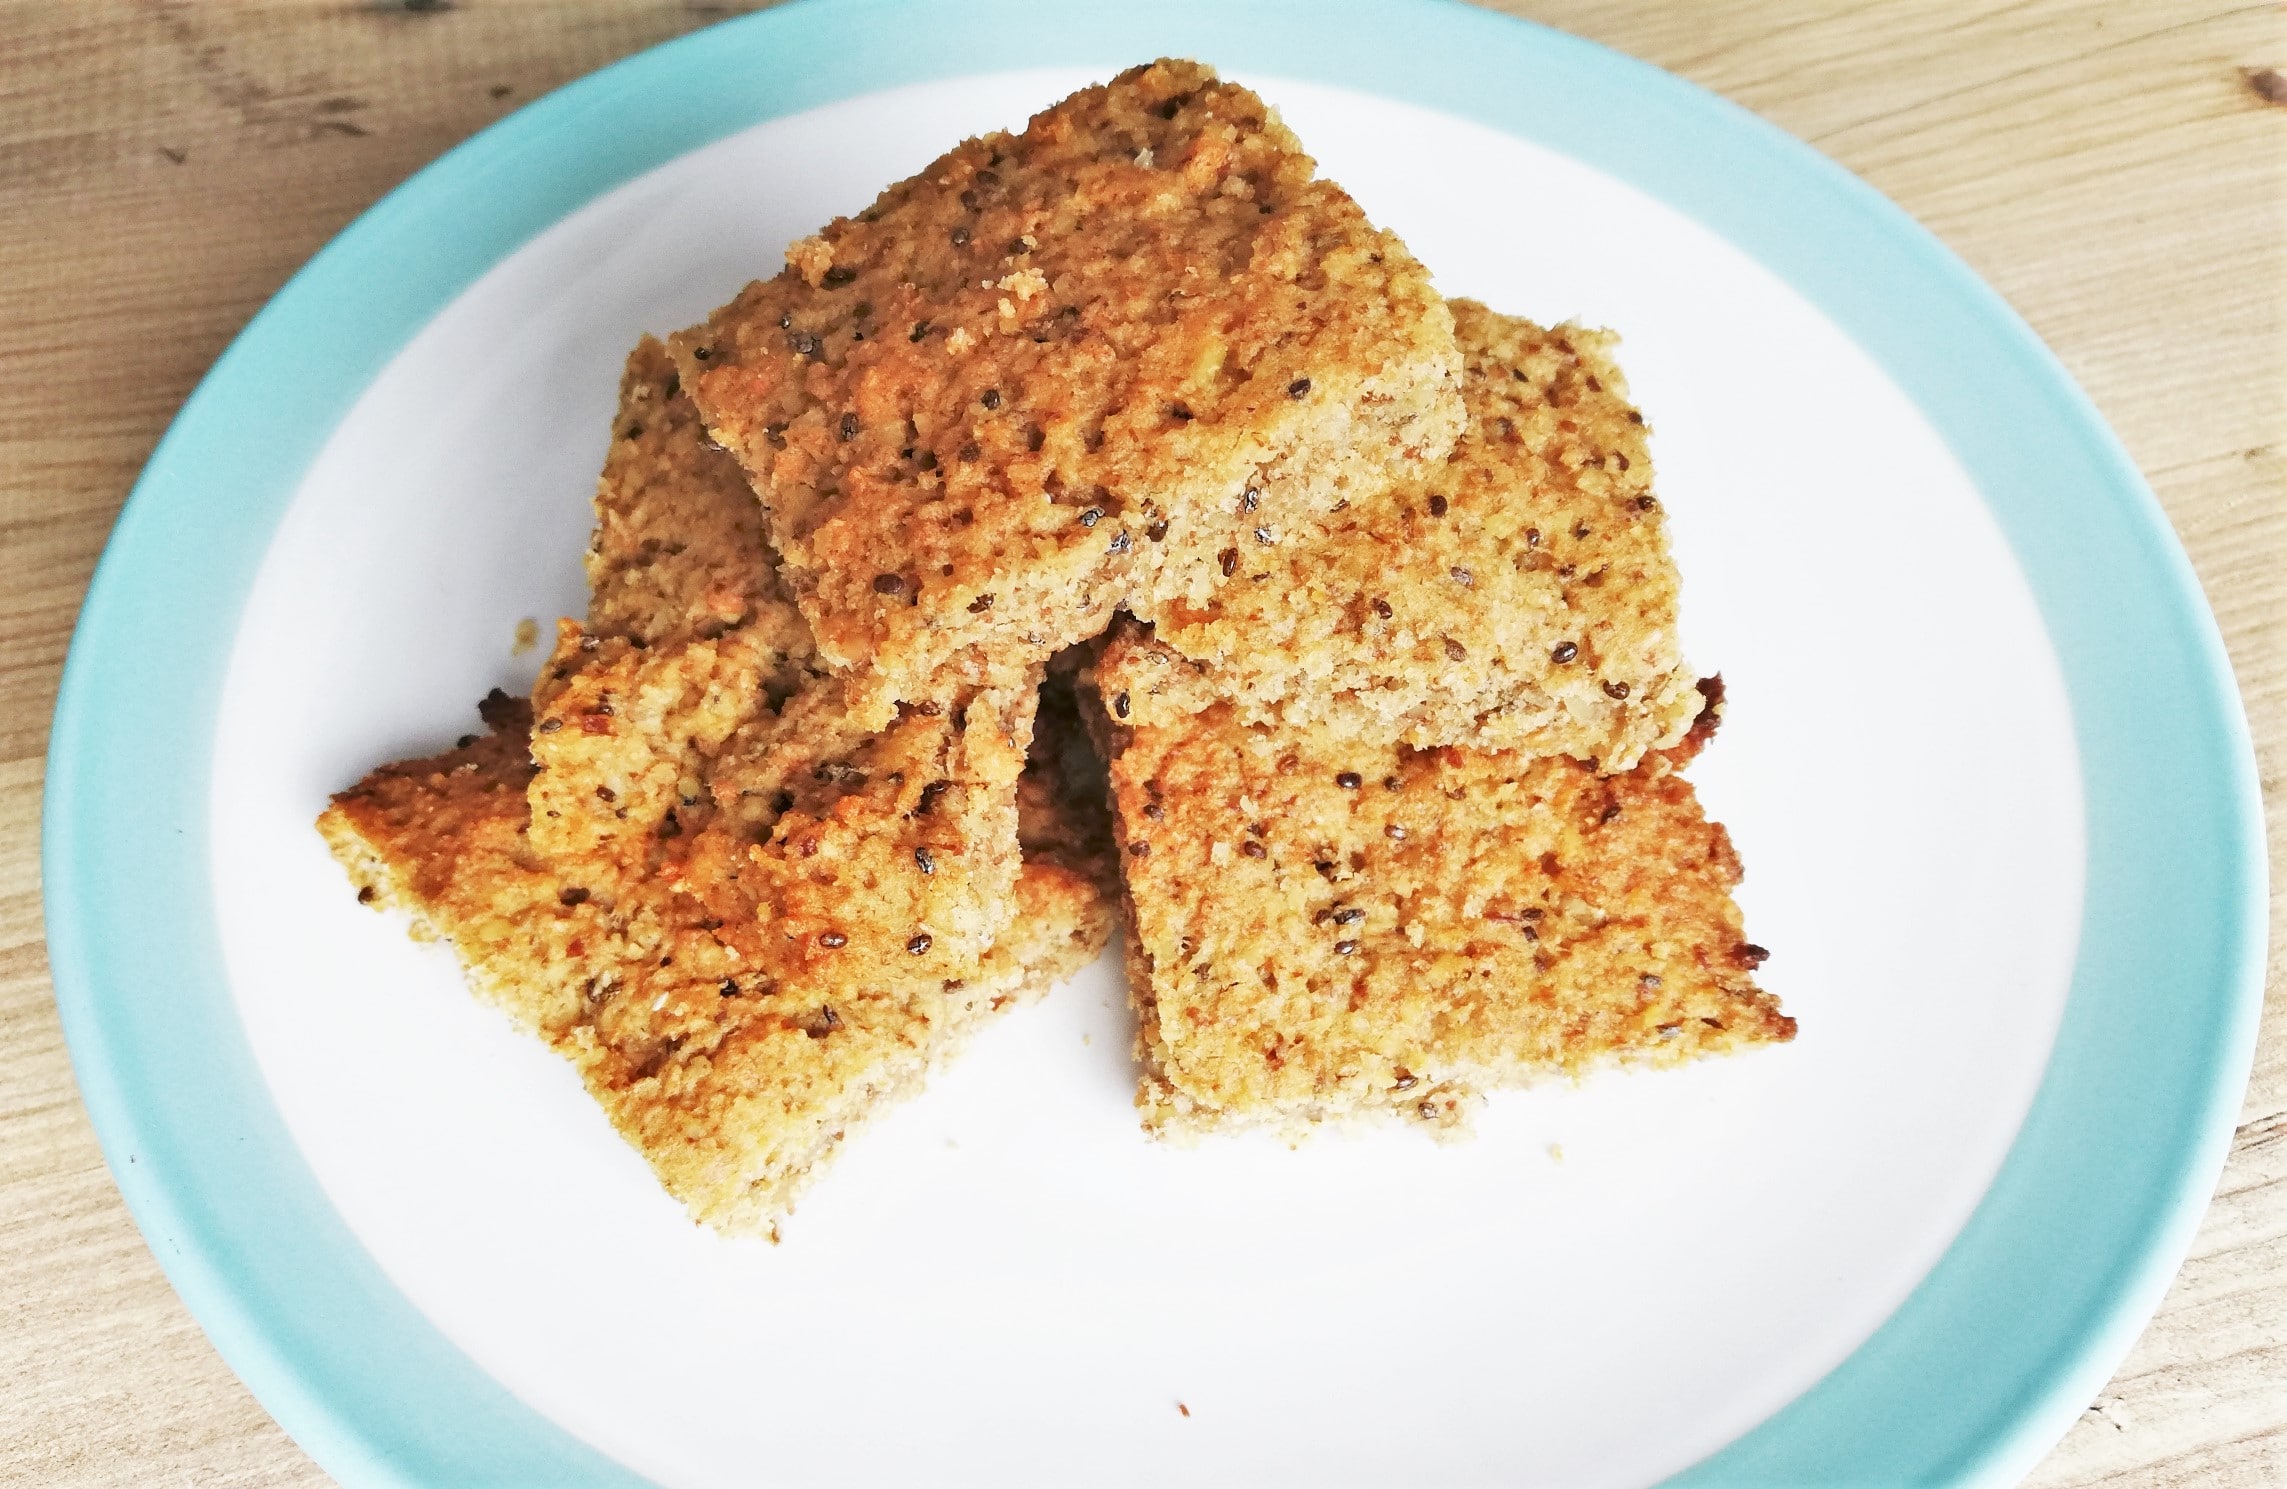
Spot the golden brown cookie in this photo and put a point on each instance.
(1520, 596)
(734, 1087)
(1070, 368)
(1321, 929)
(747, 914)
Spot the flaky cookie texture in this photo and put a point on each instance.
(748, 911)
(688, 739)
(735, 1088)
(675, 554)
(1321, 929)
(1069, 368)
(825, 851)
(442, 839)
(1519, 596)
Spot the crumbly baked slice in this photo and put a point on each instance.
(824, 851)
(678, 551)
(1068, 368)
(747, 913)
(735, 1089)
(442, 839)
(685, 737)
(1324, 930)
(1520, 596)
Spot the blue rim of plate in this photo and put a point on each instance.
(1969, 1382)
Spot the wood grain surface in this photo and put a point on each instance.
(2116, 170)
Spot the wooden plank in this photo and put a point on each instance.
(2111, 168)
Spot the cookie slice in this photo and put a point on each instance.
(1321, 929)
(734, 1087)
(687, 740)
(1064, 369)
(747, 913)
(1520, 596)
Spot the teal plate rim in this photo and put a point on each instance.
(1969, 1382)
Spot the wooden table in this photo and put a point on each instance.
(2115, 169)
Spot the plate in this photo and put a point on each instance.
(1985, 765)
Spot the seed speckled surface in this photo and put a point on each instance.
(1302, 950)
(1518, 596)
(1034, 380)
(697, 872)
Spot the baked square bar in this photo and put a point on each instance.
(735, 1092)
(1320, 929)
(689, 744)
(747, 919)
(1067, 369)
(1520, 596)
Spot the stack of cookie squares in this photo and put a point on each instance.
(1127, 427)
(750, 910)
(1399, 806)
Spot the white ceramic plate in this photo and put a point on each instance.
(1010, 1249)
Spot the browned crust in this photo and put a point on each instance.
(1033, 381)
(746, 912)
(1520, 595)
(1321, 929)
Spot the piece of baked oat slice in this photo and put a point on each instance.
(732, 1086)
(1068, 368)
(686, 736)
(747, 915)
(1520, 595)
(1323, 930)
(442, 840)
